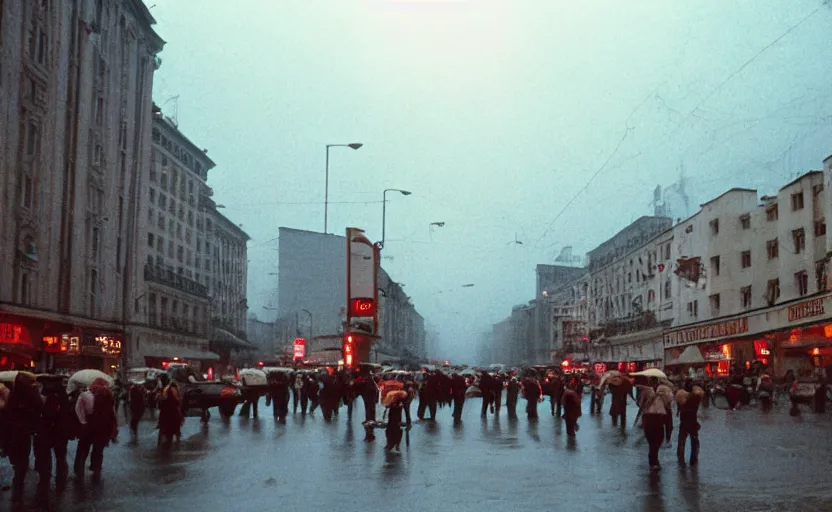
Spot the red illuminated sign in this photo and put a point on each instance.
(661, 267)
(14, 334)
(349, 349)
(362, 307)
(299, 351)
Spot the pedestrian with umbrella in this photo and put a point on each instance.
(653, 407)
(96, 410)
(394, 401)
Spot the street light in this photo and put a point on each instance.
(353, 145)
(384, 209)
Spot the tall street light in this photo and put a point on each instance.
(384, 210)
(354, 145)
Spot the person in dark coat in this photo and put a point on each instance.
(369, 394)
(137, 407)
(171, 417)
(512, 392)
(571, 408)
(393, 430)
(21, 420)
(487, 385)
(553, 386)
(96, 408)
(532, 392)
(458, 389)
(428, 395)
(56, 429)
(313, 390)
(618, 404)
(329, 396)
(279, 395)
(688, 400)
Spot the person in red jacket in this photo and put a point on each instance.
(96, 410)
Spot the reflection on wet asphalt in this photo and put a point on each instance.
(750, 461)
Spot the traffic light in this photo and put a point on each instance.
(362, 307)
(349, 351)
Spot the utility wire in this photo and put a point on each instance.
(687, 117)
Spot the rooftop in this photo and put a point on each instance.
(729, 191)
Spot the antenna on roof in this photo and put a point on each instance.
(175, 118)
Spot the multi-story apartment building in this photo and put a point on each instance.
(226, 277)
(171, 285)
(76, 80)
(762, 292)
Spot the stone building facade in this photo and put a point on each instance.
(75, 124)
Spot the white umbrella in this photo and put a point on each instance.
(607, 375)
(253, 377)
(271, 369)
(650, 372)
(8, 376)
(85, 378)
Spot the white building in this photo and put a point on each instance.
(76, 80)
(312, 294)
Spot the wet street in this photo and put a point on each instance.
(749, 461)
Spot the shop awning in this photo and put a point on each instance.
(223, 338)
(169, 352)
(60, 318)
(691, 355)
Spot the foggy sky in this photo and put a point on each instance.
(495, 114)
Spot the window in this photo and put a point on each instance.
(693, 308)
(93, 295)
(799, 237)
(197, 277)
(189, 258)
(150, 214)
(27, 192)
(745, 258)
(771, 213)
(163, 201)
(179, 231)
(164, 312)
(170, 248)
(151, 240)
(801, 281)
(160, 245)
(797, 201)
(180, 254)
(629, 277)
(667, 252)
(651, 296)
(25, 289)
(190, 218)
(171, 225)
(198, 245)
(160, 261)
(95, 242)
(773, 249)
(151, 195)
(190, 186)
(715, 265)
(745, 221)
(99, 111)
(163, 181)
(186, 319)
(714, 300)
(181, 212)
(745, 296)
(820, 275)
(820, 227)
(160, 222)
(715, 227)
(151, 309)
(32, 139)
(773, 291)
(207, 264)
(174, 313)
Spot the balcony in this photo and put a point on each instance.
(163, 276)
(636, 323)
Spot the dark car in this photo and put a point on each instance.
(199, 394)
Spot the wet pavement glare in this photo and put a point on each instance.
(749, 461)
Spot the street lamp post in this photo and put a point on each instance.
(354, 145)
(384, 210)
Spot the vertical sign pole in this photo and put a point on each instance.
(347, 319)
